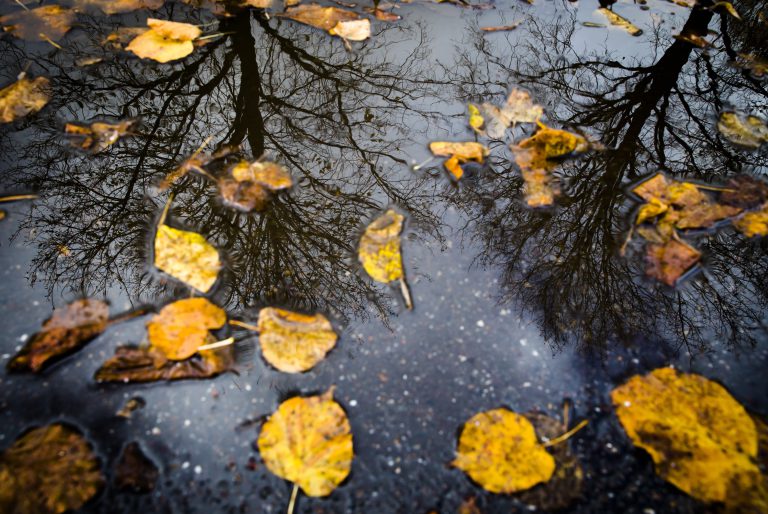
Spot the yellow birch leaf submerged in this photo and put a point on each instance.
(308, 441)
(186, 256)
(294, 342)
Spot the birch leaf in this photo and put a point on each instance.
(458, 153)
(747, 131)
(294, 342)
(46, 23)
(165, 41)
(379, 249)
(98, 136)
(23, 97)
(181, 327)
(186, 256)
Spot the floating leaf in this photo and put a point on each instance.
(195, 163)
(747, 131)
(25, 96)
(294, 342)
(383, 15)
(119, 6)
(46, 23)
(499, 450)
(667, 262)
(502, 28)
(469, 506)
(67, 330)
(186, 256)
(459, 153)
(121, 37)
(476, 120)
(758, 67)
(699, 437)
(379, 251)
(134, 471)
(753, 224)
(248, 185)
(98, 136)
(355, 30)
(133, 364)
(620, 21)
(519, 108)
(180, 328)
(331, 19)
(165, 40)
(48, 470)
(745, 192)
(308, 441)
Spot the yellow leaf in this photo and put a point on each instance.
(119, 6)
(308, 441)
(747, 131)
(519, 108)
(165, 40)
(355, 30)
(272, 175)
(499, 450)
(49, 470)
(248, 185)
(181, 327)
(25, 96)
(329, 19)
(98, 136)
(294, 342)
(753, 224)
(476, 120)
(459, 153)
(699, 437)
(728, 7)
(46, 23)
(379, 249)
(620, 21)
(186, 256)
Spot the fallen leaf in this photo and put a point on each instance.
(379, 251)
(308, 441)
(186, 256)
(23, 97)
(121, 37)
(195, 163)
(519, 108)
(248, 185)
(134, 471)
(165, 41)
(294, 342)
(119, 6)
(383, 15)
(476, 120)
(747, 131)
(331, 19)
(757, 67)
(669, 261)
(132, 405)
(700, 438)
(181, 327)
(46, 23)
(459, 153)
(98, 136)
(355, 30)
(502, 28)
(753, 224)
(133, 364)
(745, 192)
(499, 450)
(620, 21)
(67, 330)
(48, 470)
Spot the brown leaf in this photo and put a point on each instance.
(46, 23)
(98, 136)
(316, 15)
(133, 364)
(383, 15)
(248, 185)
(669, 261)
(135, 471)
(119, 6)
(67, 330)
(25, 96)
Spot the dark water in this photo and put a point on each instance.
(513, 306)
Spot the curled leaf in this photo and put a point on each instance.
(48, 470)
(499, 450)
(186, 256)
(133, 364)
(294, 342)
(181, 327)
(46, 23)
(458, 154)
(98, 136)
(67, 330)
(165, 40)
(25, 96)
(308, 441)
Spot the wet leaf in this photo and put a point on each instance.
(165, 41)
(476, 120)
(48, 470)
(699, 437)
(248, 185)
(745, 192)
(46, 23)
(119, 6)
(383, 15)
(459, 154)
(186, 256)
(747, 131)
(469, 506)
(519, 108)
(121, 37)
(502, 28)
(195, 163)
(620, 21)
(379, 249)
(181, 327)
(132, 405)
(294, 342)
(134, 471)
(67, 330)
(308, 441)
(499, 450)
(23, 97)
(98, 136)
(134, 364)
(335, 21)
(758, 67)
(669, 261)
(753, 224)
(355, 30)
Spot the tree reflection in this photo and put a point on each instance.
(653, 113)
(337, 119)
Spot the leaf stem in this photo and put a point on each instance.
(406, 294)
(292, 503)
(243, 324)
(165, 209)
(14, 198)
(564, 437)
(218, 344)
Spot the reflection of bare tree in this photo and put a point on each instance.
(334, 118)
(563, 265)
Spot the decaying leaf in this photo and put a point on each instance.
(745, 192)
(195, 163)
(538, 155)
(119, 6)
(753, 224)
(49, 470)
(248, 185)
(25, 96)
(499, 450)
(46, 23)
(747, 131)
(186, 256)
(294, 342)
(134, 364)
(134, 471)
(620, 21)
(333, 20)
(98, 136)
(458, 153)
(379, 251)
(670, 260)
(308, 441)
(469, 506)
(699, 437)
(68, 329)
(519, 108)
(180, 328)
(165, 41)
